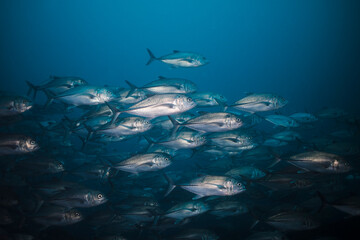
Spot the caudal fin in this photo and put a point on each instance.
(132, 88)
(171, 184)
(32, 87)
(152, 57)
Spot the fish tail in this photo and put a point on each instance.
(176, 125)
(150, 141)
(114, 111)
(152, 57)
(50, 97)
(132, 88)
(171, 184)
(90, 134)
(32, 87)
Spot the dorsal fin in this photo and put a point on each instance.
(162, 77)
(176, 51)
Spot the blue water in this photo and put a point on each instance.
(307, 51)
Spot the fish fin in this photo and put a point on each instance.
(150, 141)
(161, 77)
(175, 128)
(114, 111)
(32, 87)
(90, 134)
(50, 97)
(176, 51)
(222, 104)
(171, 184)
(152, 57)
(132, 88)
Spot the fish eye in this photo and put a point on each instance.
(239, 184)
(77, 214)
(32, 142)
(189, 99)
(99, 196)
(166, 159)
(238, 120)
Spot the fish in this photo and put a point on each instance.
(209, 185)
(233, 139)
(321, 162)
(56, 85)
(292, 221)
(144, 162)
(183, 139)
(349, 205)
(281, 120)
(186, 210)
(11, 144)
(247, 172)
(260, 102)
(212, 122)
(11, 105)
(304, 117)
(166, 85)
(180, 59)
(57, 216)
(208, 99)
(228, 208)
(78, 198)
(83, 95)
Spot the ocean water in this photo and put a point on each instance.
(306, 51)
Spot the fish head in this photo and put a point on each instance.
(57, 166)
(200, 207)
(143, 124)
(162, 160)
(105, 94)
(73, 216)
(29, 145)
(199, 61)
(189, 87)
(233, 186)
(233, 121)
(22, 104)
(97, 198)
(279, 102)
(340, 165)
(184, 103)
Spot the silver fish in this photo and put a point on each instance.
(187, 209)
(17, 144)
(320, 162)
(260, 102)
(180, 59)
(144, 163)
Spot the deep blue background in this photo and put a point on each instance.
(305, 50)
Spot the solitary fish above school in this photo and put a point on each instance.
(260, 102)
(180, 59)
